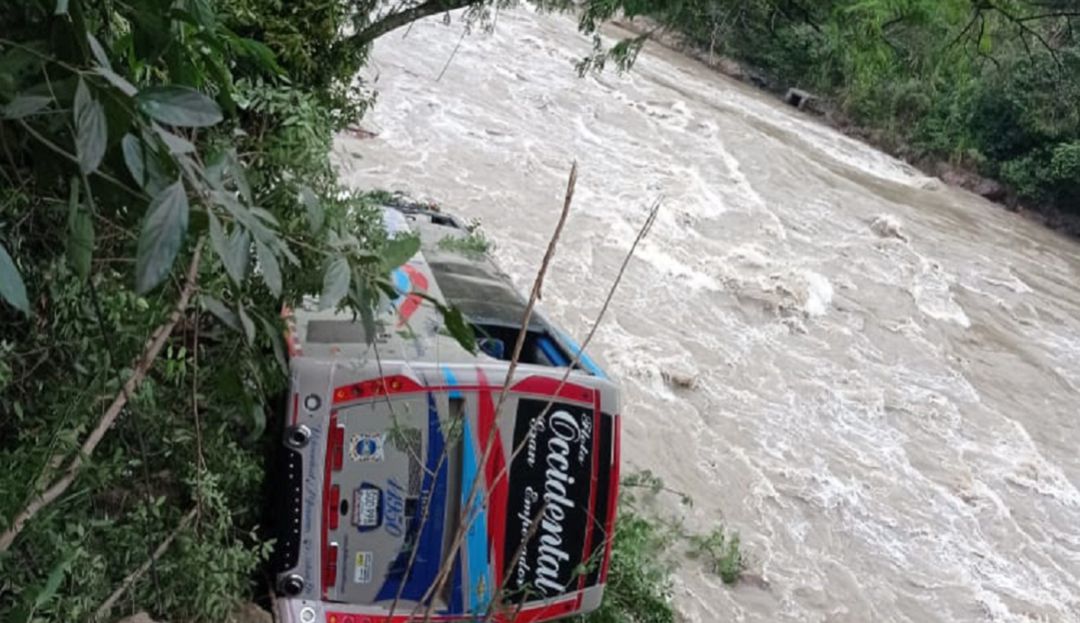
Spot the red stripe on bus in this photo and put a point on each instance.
(548, 386)
(329, 558)
(534, 614)
(335, 500)
(337, 447)
(495, 474)
(400, 384)
(413, 301)
(295, 407)
(613, 496)
(598, 424)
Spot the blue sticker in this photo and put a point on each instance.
(367, 447)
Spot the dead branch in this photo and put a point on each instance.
(466, 521)
(134, 576)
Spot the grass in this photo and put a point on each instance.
(646, 552)
(474, 245)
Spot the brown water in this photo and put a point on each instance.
(889, 422)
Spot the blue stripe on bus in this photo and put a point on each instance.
(585, 360)
(476, 541)
(429, 541)
(452, 381)
(552, 352)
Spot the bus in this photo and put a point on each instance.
(419, 480)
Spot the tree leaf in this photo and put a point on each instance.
(399, 250)
(459, 329)
(25, 105)
(99, 52)
(162, 233)
(335, 283)
(245, 320)
(90, 129)
(221, 311)
(366, 304)
(80, 245)
(180, 106)
(277, 340)
(134, 159)
(52, 583)
(117, 81)
(258, 423)
(176, 144)
(236, 168)
(268, 264)
(238, 256)
(315, 214)
(12, 288)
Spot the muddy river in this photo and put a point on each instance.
(886, 370)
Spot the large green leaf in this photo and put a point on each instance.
(460, 330)
(134, 158)
(80, 246)
(98, 51)
(25, 105)
(162, 233)
(117, 81)
(268, 264)
(221, 311)
(335, 283)
(142, 163)
(315, 213)
(176, 144)
(90, 129)
(180, 106)
(12, 289)
(399, 250)
(277, 340)
(247, 322)
(239, 254)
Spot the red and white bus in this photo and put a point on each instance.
(417, 480)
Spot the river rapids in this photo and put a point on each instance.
(878, 375)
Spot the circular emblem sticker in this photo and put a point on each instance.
(366, 447)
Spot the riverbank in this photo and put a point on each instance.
(958, 175)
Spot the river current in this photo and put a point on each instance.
(883, 371)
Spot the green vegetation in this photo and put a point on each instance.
(721, 553)
(475, 244)
(645, 553)
(990, 85)
(165, 188)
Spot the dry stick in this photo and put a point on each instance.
(200, 465)
(142, 366)
(465, 522)
(449, 60)
(143, 568)
(534, 525)
(419, 530)
(600, 316)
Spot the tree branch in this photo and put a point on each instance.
(105, 607)
(401, 18)
(141, 368)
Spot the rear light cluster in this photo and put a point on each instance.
(336, 451)
(396, 384)
(330, 568)
(332, 506)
